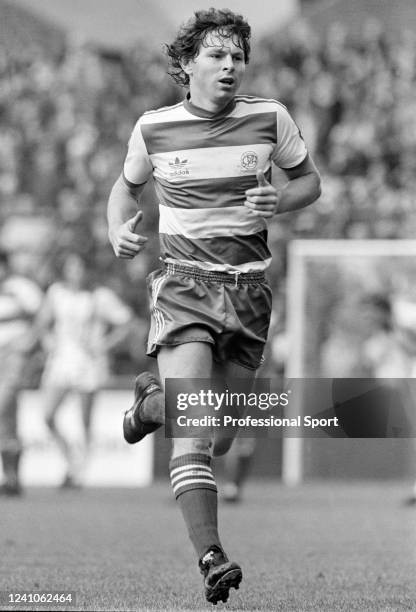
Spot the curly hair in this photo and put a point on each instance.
(193, 34)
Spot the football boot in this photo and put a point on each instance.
(220, 575)
(135, 427)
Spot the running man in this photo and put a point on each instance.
(211, 158)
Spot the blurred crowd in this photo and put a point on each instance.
(65, 125)
(66, 119)
(354, 97)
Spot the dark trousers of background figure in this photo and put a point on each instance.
(11, 371)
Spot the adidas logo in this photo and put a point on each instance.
(178, 163)
(178, 167)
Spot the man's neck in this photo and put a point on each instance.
(208, 105)
(206, 109)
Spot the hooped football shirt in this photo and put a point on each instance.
(202, 164)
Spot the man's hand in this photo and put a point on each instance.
(126, 243)
(264, 199)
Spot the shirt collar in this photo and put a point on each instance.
(201, 112)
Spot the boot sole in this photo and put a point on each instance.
(220, 590)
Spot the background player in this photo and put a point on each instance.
(20, 298)
(79, 324)
(211, 159)
(390, 353)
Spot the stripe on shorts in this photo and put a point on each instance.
(157, 314)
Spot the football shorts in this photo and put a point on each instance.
(69, 367)
(230, 311)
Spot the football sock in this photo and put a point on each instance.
(196, 492)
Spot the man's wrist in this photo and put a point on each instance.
(279, 200)
(112, 233)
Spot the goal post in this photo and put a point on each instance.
(300, 254)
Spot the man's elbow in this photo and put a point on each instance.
(115, 191)
(120, 187)
(316, 190)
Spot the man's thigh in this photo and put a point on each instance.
(189, 360)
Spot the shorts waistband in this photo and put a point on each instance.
(233, 277)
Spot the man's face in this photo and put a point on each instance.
(216, 72)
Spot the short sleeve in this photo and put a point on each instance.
(290, 149)
(137, 165)
(111, 309)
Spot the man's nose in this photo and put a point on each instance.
(228, 63)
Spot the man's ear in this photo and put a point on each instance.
(186, 66)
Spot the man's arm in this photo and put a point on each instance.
(302, 188)
(123, 216)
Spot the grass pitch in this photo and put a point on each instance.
(323, 546)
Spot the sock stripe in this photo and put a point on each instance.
(192, 471)
(191, 474)
(194, 483)
(191, 466)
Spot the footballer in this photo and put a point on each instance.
(211, 158)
